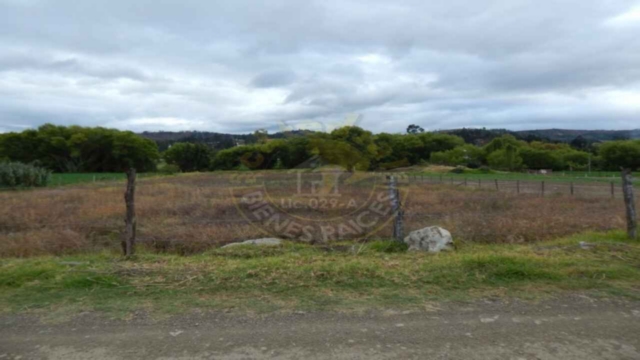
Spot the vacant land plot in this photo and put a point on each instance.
(60, 246)
(193, 213)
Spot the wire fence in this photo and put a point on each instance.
(612, 189)
(542, 188)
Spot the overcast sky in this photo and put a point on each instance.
(238, 65)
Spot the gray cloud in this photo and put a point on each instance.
(273, 78)
(236, 66)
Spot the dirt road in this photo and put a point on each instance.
(575, 327)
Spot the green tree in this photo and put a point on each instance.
(188, 157)
(505, 159)
(577, 160)
(621, 154)
(133, 151)
(465, 155)
(435, 142)
(501, 143)
(580, 143)
(414, 129)
(261, 135)
(79, 149)
(541, 159)
(350, 147)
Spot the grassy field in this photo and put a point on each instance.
(348, 276)
(193, 213)
(59, 179)
(576, 177)
(59, 248)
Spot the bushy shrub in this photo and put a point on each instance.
(621, 154)
(188, 157)
(18, 174)
(484, 169)
(458, 170)
(169, 169)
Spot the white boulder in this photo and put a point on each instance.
(256, 242)
(431, 239)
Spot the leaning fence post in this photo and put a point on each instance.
(129, 240)
(396, 205)
(629, 201)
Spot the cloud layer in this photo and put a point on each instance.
(235, 66)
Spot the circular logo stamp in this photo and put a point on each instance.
(324, 198)
(318, 204)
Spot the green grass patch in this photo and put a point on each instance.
(567, 176)
(60, 179)
(341, 277)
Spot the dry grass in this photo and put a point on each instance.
(191, 213)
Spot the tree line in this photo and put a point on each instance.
(82, 149)
(354, 148)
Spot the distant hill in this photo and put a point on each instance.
(566, 135)
(211, 139)
(214, 140)
(483, 136)
(475, 136)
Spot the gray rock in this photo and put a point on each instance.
(256, 242)
(431, 239)
(586, 246)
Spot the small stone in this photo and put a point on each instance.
(489, 319)
(586, 245)
(430, 239)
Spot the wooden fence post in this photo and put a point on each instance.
(497, 187)
(630, 204)
(572, 190)
(396, 204)
(517, 186)
(612, 190)
(479, 183)
(543, 188)
(129, 240)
